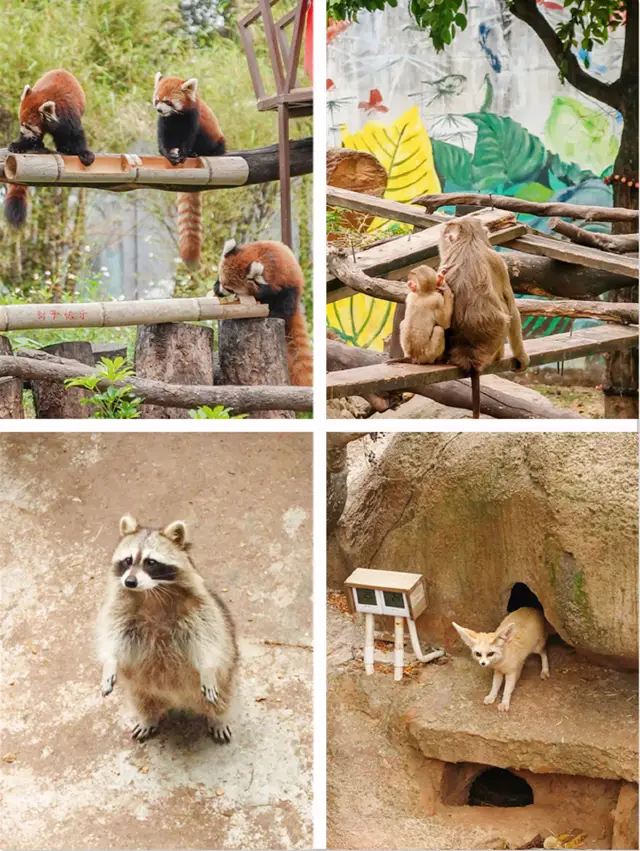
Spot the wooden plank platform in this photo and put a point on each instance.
(393, 210)
(567, 252)
(383, 378)
(409, 251)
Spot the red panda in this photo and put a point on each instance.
(270, 272)
(54, 105)
(186, 128)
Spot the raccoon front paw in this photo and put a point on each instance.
(108, 684)
(142, 732)
(503, 707)
(490, 698)
(220, 733)
(175, 156)
(86, 157)
(210, 693)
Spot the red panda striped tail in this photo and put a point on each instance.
(189, 228)
(15, 205)
(299, 354)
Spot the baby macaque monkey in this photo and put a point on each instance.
(506, 650)
(429, 306)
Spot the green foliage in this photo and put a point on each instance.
(217, 413)
(114, 403)
(505, 153)
(590, 23)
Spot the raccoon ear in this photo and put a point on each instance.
(176, 532)
(467, 635)
(157, 78)
(48, 110)
(229, 247)
(255, 270)
(128, 525)
(190, 87)
(506, 633)
(26, 91)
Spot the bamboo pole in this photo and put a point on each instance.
(20, 317)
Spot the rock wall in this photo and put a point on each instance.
(476, 513)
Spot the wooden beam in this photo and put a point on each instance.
(408, 251)
(38, 366)
(534, 208)
(622, 243)
(387, 377)
(393, 210)
(558, 249)
(109, 314)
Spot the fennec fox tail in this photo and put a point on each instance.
(505, 651)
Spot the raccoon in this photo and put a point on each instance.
(163, 635)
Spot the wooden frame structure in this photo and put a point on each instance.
(375, 271)
(289, 100)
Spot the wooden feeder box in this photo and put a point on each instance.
(389, 592)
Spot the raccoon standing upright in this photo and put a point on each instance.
(163, 635)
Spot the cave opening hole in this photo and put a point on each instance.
(497, 787)
(523, 597)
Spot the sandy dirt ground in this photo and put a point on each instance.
(71, 775)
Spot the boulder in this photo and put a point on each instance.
(477, 513)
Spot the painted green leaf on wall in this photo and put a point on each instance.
(533, 192)
(453, 165)
(578, 133)
(505, 153)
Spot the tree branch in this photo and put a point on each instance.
(528, 12)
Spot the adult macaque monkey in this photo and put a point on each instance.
(484, 308)
(428, 311)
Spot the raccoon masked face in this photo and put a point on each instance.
(147, 558)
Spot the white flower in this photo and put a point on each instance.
(87, 248)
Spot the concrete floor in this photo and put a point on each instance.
(71, 775)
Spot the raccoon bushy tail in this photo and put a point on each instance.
(189, 228)
(299, 354)
(15, 205)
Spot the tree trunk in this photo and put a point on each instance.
(176, 354)
(53, 401)
(10, 389)
(254, 352)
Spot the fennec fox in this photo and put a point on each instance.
(521, 633)
(162, 634)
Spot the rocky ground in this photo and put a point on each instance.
(72, 776)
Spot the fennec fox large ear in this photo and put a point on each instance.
(128, 525)
(505, 634)
(467, 635)
(176, 532)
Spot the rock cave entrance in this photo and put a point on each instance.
(497, 787)
(522, 596)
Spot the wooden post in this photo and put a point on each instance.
(53, 400)
(398, 649)
(177, 354)
(253, 352)
(10, 389)
(368, 643)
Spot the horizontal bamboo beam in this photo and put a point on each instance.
(107, 314)
(534, 208)
(386, 377)
(38, 366)
(126, 172)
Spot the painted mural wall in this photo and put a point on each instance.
(487, 114)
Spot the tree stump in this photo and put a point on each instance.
(360, 172)
(176, 353)
(51, 399)
(108, 350)
(254, 352)
(10, 389)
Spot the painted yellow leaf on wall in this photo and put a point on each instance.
(403, 148)
(361, 320)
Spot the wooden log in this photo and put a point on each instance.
(349, 274)
(497, 403)
(108, 350)
(532, 274)
(356, 172)
(618, 243)
(569, 253)
(10, 389)
(533, 208)
(260, 166)
(177, 354)
(370, 204)
(39, 366)
(400, 376)
(52, 401)
(14, 317)
(254, 352)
